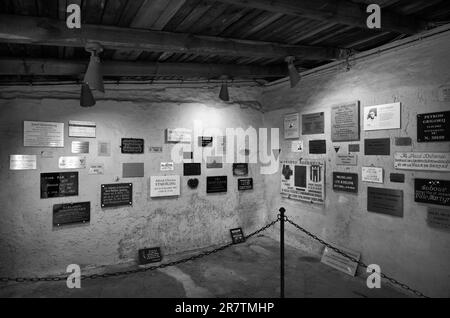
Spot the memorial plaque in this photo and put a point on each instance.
(345, 122)
(80, 146)
(149, 255)
(291, 126)
(245, 184)
(155, 149)
(397, 177)
(353, 148)
(193, 183)
(432, 191)
(297, 146)
(347, 182)
(385, 201)
(317, 146)
(98, 168)
(205, 141)
(340, 262)
(439, 218)
(426, 161)
(433, 127)
(132, 145)
(237, 235)
(22, 162)
(71, 213)
(104, 149)
(346, 160)
(84, 129)
(192, 169)
(372, 174)
(214, 162)
(43, 134)
(216, 184)
(116, 194)
(164, 186)
(72, 162)
(179, 135)
(133, 170)
(59, 184)
(166, 166)
(386, 116)
(377, 147)
(313, 124)
(403, 141)
(240, 169)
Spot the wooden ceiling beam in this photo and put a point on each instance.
(44, 31)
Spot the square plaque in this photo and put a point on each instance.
(317, 147)
(216, 184)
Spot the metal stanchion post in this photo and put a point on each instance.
(282, 210)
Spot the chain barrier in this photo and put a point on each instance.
(337, 250)
(137, 270)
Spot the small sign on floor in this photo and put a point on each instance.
(149, 255)
(340, 262)
(237, 235)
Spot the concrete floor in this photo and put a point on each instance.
(249, 270)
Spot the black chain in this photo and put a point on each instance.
(392, 280)
(134, 271)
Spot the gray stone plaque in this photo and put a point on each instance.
(313, 123)
(345, 122)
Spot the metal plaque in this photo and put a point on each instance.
(155, 149)
(133, 170)
(237, 235)
(403, 141)
(347, 182)
(205, 141)
(192, 169)
(340, 262)
(377, 147)
(397, 177)
(116, 194)
(433, 127)
(346, 160)
(104, 149)
(178, 135)
(245, 184)
(432, 191)
(22, 162)
(149, 255)
(426, 161)
(291, 126)
(71, 213)
(59, 184)
(240, 169)
(132, 145)
(385, 201)
(353, 148)
(313, 124)
(43, 134)
(80, 146)
(317, 146)
(72, 162)
(439, 218)
(98, 168)
(345, 122)
(216, 184)
(85, 129)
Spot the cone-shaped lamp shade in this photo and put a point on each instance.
(223, 95)
(86, 99)
(293, 74)
(94, 75)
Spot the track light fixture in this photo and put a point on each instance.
(223, 95)
(93, 79)
(294, 76)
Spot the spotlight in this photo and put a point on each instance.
(93, 79)
(294, 76)
(223, 95)
(87, 99)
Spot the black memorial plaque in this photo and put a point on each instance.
(149, 255)
(403, 141)
(71, 213)
(205, 141)
(237, 235)
(377, 147)
(397, 177)
(313, 124)
(347, 182)
(116, 194)
(433, 127)
(59, 184)
(192, 169)
(216, 184)
(432, 191)
(353, 148)
(240, 169)
(132, 145)
(385, 201)
(317, 147)
(245, 184)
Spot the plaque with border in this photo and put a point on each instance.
(116, 194)
(59, 184)
(71, 213)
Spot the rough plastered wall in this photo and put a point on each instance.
(30, 245)
(406, 248)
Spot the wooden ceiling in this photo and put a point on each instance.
(197, 39)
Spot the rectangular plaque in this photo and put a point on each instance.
(353, 148)
(214, 162)
(245, 184)
(439, 218)
(297, 146)
(346, 160)
(216, 184)
(403, 141)
(372, 174)
(237, 235)
(104, 149)
(166, 166)
(317, 146)
(98, 168)
(133, 170)
(116, 194)
(164, 186)
(43, 134)
(432, 191)
(71, 213)
(397, 177)
(205, 141)
(59, 184)
(291, 126)
(313, 124)
(149, 255)
(155, 149)
(433, 127)
(72, 162)
(132, 145)
(385, 201)
(192, 169)
(178, 135)
(340, 262)
(84, 129)
(188, 155)
(347, 182)
(240, 169)
(22, 162)
(378, 117)
(426, 161)
(80, 146)
(377, 147)
(345, 122)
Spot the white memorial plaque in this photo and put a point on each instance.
(43, 134)
(183, 135)
(379, 117)
(164, 186)
(340, 262)
(346, 160)
(22, 162)
(97, 168)
(291, 126)
(372, 174)
(73, 162)
(297, 146)
(167, 166)
(84, 129)
(426, 161)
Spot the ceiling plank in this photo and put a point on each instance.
(335, 11)
(43, 31)
(57, 67)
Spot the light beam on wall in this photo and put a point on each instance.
(294, 76)
(93, 79)
(223, 95)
